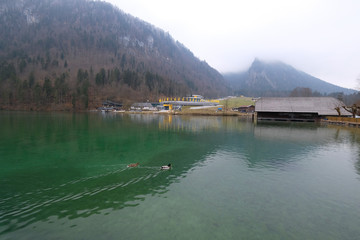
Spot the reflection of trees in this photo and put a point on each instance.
(85, 196)
(80, 197)
(202, 123)
(89, 184)
(357, 163)
(97, 180)
(185, 123)
(274, 142)
(349, 135)
(355, 141)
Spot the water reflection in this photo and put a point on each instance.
(80, 197)
(269, 144)
(304, 132)
(184, 123)
(74, 166)
(276, 144)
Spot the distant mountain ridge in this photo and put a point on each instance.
(277, 79)
(88, 51)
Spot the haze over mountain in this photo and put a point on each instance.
(72, 54)
(75, 53)
(277, 79)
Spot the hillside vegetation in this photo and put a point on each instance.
(234, 102)
(72, 54)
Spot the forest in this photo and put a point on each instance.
(60, 92)
(72, 55)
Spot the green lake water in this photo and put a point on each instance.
(65, 176)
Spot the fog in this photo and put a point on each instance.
(321, 38)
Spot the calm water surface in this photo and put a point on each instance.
(65, 176)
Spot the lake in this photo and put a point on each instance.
(65, 176)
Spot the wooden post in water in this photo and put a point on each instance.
(254, 118)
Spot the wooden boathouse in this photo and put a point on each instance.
(302, 109)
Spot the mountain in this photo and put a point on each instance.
(277, 79)
(72, 54)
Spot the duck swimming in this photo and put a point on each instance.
(133, 165)
(166, 167)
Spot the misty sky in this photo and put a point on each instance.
(321, 37)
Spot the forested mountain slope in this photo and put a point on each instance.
(72, 54)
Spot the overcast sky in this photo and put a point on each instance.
(321, 37)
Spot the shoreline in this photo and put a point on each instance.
(197, 112)
(187, 113)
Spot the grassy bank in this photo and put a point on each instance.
(236, 102)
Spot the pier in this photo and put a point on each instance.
(345, 121)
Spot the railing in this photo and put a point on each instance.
(186, 99)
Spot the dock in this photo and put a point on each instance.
(343, 121)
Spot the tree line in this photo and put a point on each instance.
(86, 90)
(347, 99)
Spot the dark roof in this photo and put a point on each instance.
(320, 105)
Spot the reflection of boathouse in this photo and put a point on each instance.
(298, 108)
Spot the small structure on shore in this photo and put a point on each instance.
(306, 109)
(195, 100)
(108, 106)
(245, 109)
(142, 107)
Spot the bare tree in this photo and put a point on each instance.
(338, 111)
(353, 109)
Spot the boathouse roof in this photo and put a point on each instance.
(323, 106)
